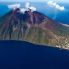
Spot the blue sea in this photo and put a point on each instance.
(60, 16)
(24, 55)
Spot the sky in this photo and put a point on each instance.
(34, 0)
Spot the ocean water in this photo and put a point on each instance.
(60, 16)
(24, 55)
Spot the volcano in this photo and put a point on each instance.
(33, 27)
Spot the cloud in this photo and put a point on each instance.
(55, 5)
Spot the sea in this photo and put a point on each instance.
(24, 55)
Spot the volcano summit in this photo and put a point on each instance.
(35, 27)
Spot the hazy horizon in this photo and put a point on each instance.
(33, 0)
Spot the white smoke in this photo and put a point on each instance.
(22, 10)
(27, 7)
(32, 8)
(14, 6)
(55, 5)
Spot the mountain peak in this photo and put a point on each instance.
(33, 27)
(29, 16)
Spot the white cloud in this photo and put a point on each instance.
(51, 3)
(55, 5)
